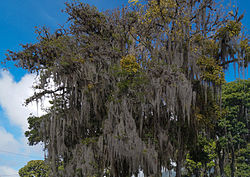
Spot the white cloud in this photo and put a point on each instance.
(8, 143)
(12, 98)
(7, 171)
(15, 152)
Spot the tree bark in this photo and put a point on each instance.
(221, 162)
(178, 167)
(232, 163)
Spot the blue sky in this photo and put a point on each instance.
(17, 21)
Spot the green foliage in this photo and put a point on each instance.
(233, 130)
(33, 133)
(35, 168)
(202, 158)
(235, 95)
(242, 164)
(191, 165)
(243, 161)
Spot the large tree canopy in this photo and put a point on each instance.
(132, 87)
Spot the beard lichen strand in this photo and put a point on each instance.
(125, 141)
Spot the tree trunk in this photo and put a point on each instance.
(197, 172)
(232, 163)
(178, 168)
(221, 163)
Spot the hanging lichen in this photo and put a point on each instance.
(130, 86)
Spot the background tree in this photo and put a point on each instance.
(233, 129)
(132, 87)
(227, 145)
(35, 168)
(242, 161)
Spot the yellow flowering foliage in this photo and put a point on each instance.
(233, 28)
(244, 45)
(156, 9)
(133, 1)
(129, 64)
(211, 71)
(209, 47)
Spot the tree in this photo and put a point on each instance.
(233, 129)
(132, 87)
(35, 168)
